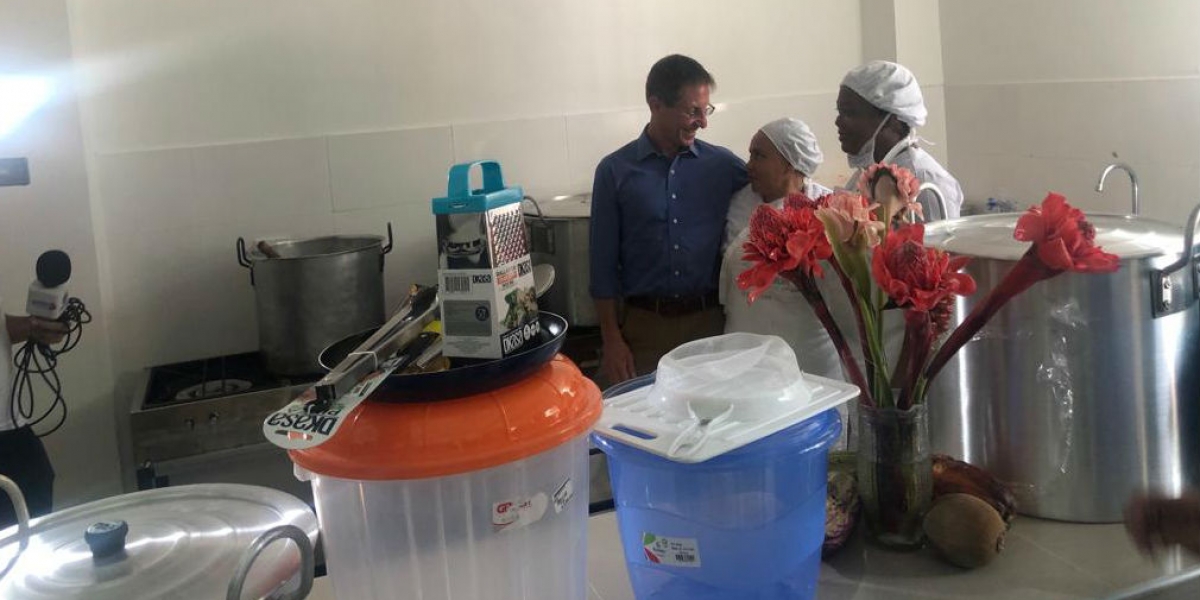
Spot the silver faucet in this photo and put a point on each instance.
(1133, 180)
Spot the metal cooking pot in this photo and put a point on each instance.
(1086, 388)
(310, 293)
(558, 236)
(192, 541)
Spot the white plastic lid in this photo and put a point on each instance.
(715, 395)
(182, 542)
(755, 376)
(991, 236)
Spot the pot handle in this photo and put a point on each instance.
(13, 490)
(386, 247)
(290, 532)
(547, 232)
(1175, 286)
(243, 258)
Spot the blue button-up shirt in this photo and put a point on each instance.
(658, 221)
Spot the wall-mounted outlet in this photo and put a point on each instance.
(14, 171)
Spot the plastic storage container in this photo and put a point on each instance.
(746, 524)
(463, 499)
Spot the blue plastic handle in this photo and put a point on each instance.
(459, 185)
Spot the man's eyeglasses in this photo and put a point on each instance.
(697, 112)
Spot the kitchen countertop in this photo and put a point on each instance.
(1042, 560)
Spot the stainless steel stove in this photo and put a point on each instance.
(201, 422)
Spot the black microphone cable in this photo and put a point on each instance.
(33, 358)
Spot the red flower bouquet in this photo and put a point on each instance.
(884, 264)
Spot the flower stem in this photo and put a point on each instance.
(918, 336)
(808, 288)
(1028, 271)
(864, 340)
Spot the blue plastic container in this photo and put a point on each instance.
(746, 525)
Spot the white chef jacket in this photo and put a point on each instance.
(782, 310)
(743, 203)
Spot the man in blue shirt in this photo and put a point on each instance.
(658, 218)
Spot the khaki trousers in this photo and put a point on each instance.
(650, 335)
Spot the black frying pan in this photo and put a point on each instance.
(465, 376)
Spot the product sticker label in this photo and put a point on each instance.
(563, 496)
(295, 427)
(673, 552)
(517, 513)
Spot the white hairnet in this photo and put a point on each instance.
(796, 142)
(889, 87)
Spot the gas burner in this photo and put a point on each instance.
(216, 388)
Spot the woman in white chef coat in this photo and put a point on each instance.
(784, 155)
(23, 458)
(880, 106)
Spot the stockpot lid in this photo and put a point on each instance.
(991, 236)
(576, 206)
(179, 542)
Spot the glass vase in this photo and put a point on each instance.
(895, 475)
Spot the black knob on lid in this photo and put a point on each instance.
(106, 538)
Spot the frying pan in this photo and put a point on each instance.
(465, 377)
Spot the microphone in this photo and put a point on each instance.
(48, 293)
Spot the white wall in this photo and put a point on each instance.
(909, 32)
(206, 121)
(1041, 95)
(54, 212)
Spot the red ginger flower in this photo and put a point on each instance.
(915, 276)
(906, 183)
(781, 241)
(849, 218)
(1063, 238)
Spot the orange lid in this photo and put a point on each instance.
(412, 440)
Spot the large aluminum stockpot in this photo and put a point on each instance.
(1086, 388)
(558, 236)
(310, 293)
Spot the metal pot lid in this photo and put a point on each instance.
(576, 206)
(990, 236)
(181, 542)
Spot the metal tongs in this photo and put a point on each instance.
(402, 330)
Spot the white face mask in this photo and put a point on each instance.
(865, 157)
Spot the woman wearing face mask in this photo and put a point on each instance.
(879, 108)
(783, 157)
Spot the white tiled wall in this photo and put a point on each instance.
(590, 137)
(1041, 104)
(1066, 40)
(532, 152)
(202, 73)
(277, 119)
(374, 170)
(172, 216)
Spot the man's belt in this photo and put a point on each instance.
(673, 307)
